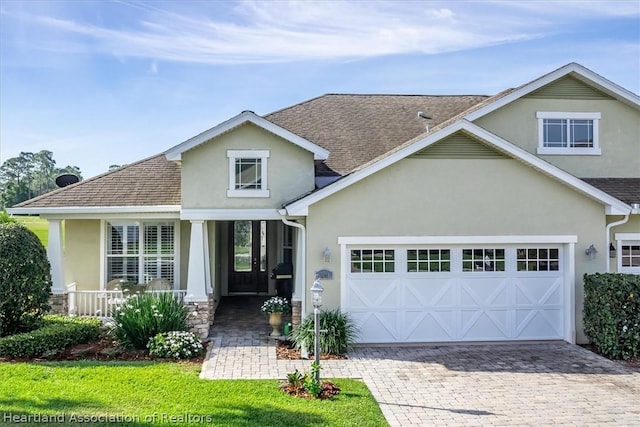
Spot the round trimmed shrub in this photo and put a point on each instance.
(25, 279)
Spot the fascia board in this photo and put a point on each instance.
(175, 153)
(82, 210)
(585, 73)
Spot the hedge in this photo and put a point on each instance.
(57, 333)
(612, 313)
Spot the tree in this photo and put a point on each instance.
(30, 175)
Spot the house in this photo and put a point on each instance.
(434, 218)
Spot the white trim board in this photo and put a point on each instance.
(229, 214)
(95, 210)
(175, 153)
(613, 206)
(578, 71)
(456, 240)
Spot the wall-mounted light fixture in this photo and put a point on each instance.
(591, 252)
(326, 255)
(612, 251)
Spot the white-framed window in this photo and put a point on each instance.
(140, 252)
(373, 260)
(428, 260)
(568, 133)
(248, 173)
(628, 252)
(482, 259)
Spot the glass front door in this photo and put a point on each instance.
(248, 257)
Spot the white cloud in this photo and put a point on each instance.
(282, 31)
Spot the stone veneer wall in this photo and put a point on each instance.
(200, 316)
(296, 312)
(59, 303)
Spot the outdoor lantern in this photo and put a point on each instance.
(591, 252)
(316, 294)
(612, 251)
(326, 255)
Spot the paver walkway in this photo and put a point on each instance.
(498, 384)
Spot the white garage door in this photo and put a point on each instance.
(412, 293)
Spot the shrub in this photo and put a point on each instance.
(338, 332)
(57, 333)
(612, 313)
(26, 279)
(144, 316)
(5, 217)
(175, 345)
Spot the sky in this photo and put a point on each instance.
(111, 82)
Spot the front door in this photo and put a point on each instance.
(248, 260)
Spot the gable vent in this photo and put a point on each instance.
(458, 146)
(568, 87)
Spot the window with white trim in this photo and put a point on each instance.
(483, 260)
(568, 133)
(140, 252)
(628, 252)
(248, 173)
(428, 260)
(372, 260)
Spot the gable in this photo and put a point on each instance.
(458, 146)
(568, 87)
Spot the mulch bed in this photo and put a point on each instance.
(329, 390)
(286, 351)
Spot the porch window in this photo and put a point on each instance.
(248, 173)
(140, 252)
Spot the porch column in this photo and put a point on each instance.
(54, 253)
(198, 263)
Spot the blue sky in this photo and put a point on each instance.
(112, 82)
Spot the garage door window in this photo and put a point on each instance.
(483, 259)
(428, 260)
(538, 259)
(372, 260)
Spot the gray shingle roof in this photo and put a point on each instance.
(150, 182)
(358, 128)
(624, 189)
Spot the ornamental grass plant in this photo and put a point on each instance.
(337, 336)
(144, 316)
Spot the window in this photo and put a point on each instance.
(248, 173)
(483, 260)
(568, 133)
(534, 259)
(140, 252)
(628, 252)
(431, 260)
(372, 260)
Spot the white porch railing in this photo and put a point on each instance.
(102, 303)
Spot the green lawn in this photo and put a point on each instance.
(37, 225)
(153, 393)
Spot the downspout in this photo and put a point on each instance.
(303, 263)
(608, 238)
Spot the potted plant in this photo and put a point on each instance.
(275, 307)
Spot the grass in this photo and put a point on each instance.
(152, 393)
(37, 225)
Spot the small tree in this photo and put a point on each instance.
(25, 279)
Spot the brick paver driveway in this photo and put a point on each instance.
(510, 384)
(499, 384)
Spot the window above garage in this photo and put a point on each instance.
(248, 173)
(568, 133)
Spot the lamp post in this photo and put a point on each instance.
(316, 294)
